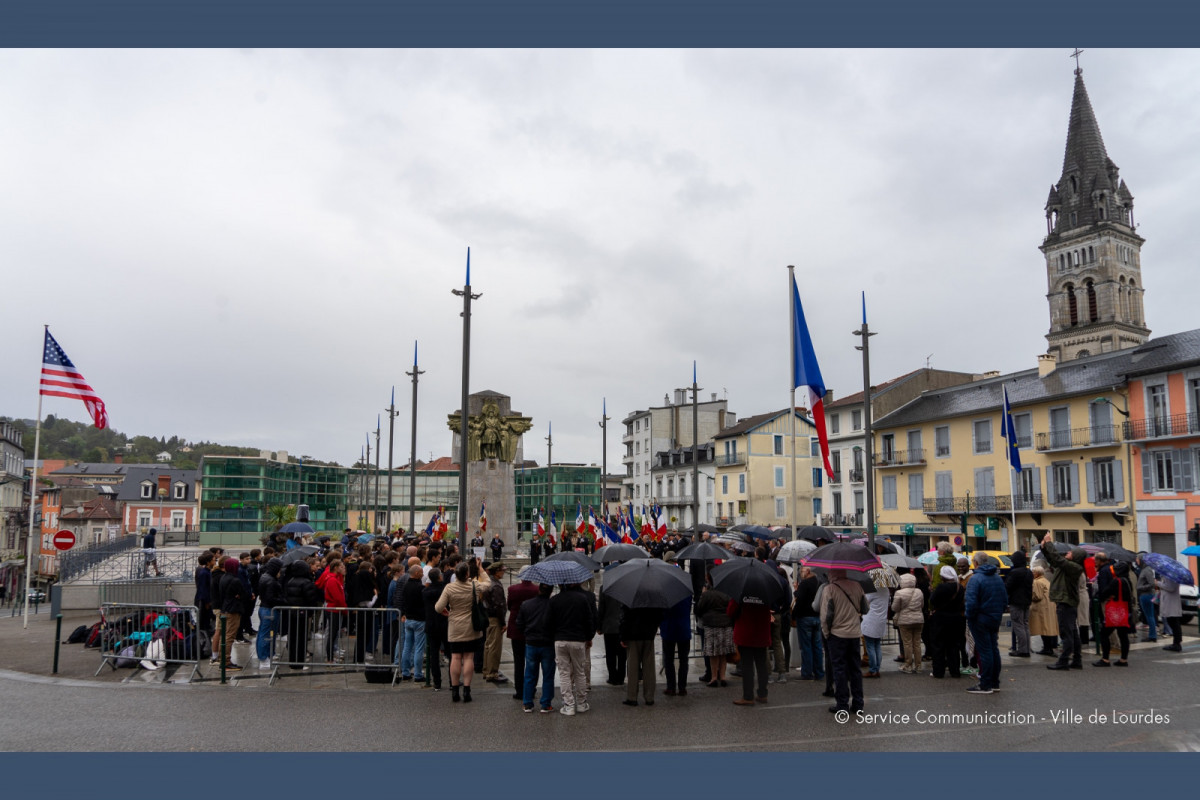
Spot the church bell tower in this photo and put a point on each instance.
(1092, 249)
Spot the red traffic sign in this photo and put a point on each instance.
(64, 540)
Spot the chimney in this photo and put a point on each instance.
(164, 484)
(118, 458)
(995, 373)
(1047, 363)
(679, 397)
(714, 397)
(828, 397)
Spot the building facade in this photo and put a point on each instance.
(574, 486)
(843, 501)
(753, 476)
(662, 428)
(12, 488)
(672, 481)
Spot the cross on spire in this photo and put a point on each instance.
(1075, 56)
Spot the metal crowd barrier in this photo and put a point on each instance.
(336, 640)
(153, 591)
(128, 631)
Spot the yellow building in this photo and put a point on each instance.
(753, 475)
(943, 457)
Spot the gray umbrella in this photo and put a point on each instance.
(299, 553)
(897, 560)
(647, 583)
(702, 551)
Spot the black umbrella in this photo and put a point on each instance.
(647, 583)
(297, 527)
(1114, 551)
(749, 580)
(703, 527)
(842, 555)
(815, 533)
(299, 553)
(579, 558)
(759, 532)
(619, 552)
(702, 551)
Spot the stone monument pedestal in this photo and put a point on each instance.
(494, 433)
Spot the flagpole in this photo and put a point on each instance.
(695, 456)
(412, 456)
(869, 459)
(37, 444)
(375, 509)
(792, 405)
(1012, 542)
(467, 297)
(391, 409)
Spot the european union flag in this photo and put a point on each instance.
(1010, 434)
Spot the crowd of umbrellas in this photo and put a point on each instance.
(635, 579)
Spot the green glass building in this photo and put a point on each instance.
(237, 491)
(575, 485)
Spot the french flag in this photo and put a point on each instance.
(661, 524)
(806, 373)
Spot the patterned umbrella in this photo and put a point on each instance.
(555, 573)
(929, 558)
(1168, 567)
(842, 555)
(793, 552)
(579, 558)
(884, 577)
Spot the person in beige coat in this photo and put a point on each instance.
(1083, 612)
(455, 603)
(908, 614)
(1042, 618)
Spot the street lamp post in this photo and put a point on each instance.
(549, 466)
(869, 457)
(604, 418)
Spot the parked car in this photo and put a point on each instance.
(37, 596)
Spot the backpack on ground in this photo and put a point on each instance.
(78, 636)
(94, 635)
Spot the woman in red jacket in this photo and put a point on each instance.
(752, 635)
(333, 583)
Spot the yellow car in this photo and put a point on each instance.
(999, 556)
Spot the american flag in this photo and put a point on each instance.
(61, 379)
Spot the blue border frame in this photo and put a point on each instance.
(594, 23)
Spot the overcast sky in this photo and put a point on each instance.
(243, 246)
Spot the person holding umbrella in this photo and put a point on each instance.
(752, 636)
(711, 610)
(637, 630)
(843, 604)
(572, 626)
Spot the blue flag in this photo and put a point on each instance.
(1010, 434)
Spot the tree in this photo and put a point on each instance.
(280, 515)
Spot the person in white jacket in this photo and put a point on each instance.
(907, 610)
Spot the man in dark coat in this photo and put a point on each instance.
(518, 593)
(985, 603)
(232, 597)
(1064, 593)
(609, 626)
(1019, 585)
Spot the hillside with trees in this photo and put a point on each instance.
(82, 441)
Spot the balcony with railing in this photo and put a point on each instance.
(1098, 436)
(731, 459)
(901, 458)
(856, 476)
(1162, 427)
(836, 477)
(983, 504)
(835, 520)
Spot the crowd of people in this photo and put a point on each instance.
(443, 605)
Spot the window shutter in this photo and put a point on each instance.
(1090, 468)
(1183, 470)
(1118, 483)
(1074, 484)
(1037, 482)
(1147, 473)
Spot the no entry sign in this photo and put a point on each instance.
(64, 540)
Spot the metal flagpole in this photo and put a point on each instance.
(37, 444)
(412, 458)
(375, 505)
(1012, 541)
(695, 456)
(869, 476)
(366, 493)
(391, 409)
(792, 406)
(467, 297)
(604, 458)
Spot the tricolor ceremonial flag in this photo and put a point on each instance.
(540, 526)
(553, 532)
(432, 526)
(61, 379)
(806, 373)
(647, 528)
(630, 530)
(443, 525)
(580, 522)
(1010, 434)
(483, 518)
(661, 524)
